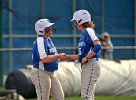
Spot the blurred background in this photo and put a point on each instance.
(18, 17)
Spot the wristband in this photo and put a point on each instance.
(96, 48)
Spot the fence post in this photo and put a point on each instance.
(74, 31)
(1, 67)
(135, 24)
(42, 11)
(102, 16)
(10, 36)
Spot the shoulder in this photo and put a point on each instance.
(40, 41)
(90, 31)
(91, 34)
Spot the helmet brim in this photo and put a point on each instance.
(72, 20)
(50, 24)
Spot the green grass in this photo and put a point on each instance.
(101, 98)
(2, 88)
(96, 98)
(71, 98)
(115, 98)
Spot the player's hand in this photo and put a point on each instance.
(84, 60)
(63, 56)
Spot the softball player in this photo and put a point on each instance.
(88, 53)
(45, 63)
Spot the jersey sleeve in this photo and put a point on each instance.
(92, 34)
(41, 47)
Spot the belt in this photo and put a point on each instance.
(91, 59)
(95, 59)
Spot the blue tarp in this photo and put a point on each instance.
(118, 19)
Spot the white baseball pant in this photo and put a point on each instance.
(89, 76)
(45, 84)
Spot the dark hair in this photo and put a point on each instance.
(88, 24)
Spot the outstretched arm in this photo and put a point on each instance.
(72, 57)
(51, 58)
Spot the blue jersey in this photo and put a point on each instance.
(86, 44)
(42, 48)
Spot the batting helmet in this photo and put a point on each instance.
(81, 16)
(41, 24)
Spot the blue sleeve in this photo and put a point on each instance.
(96, 48)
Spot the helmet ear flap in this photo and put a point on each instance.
(53, 29)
